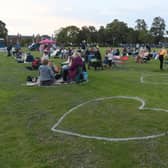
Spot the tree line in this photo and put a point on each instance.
(115, 33)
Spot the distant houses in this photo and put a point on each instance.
(17, 38)
(25, 39)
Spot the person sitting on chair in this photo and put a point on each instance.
(75, 67)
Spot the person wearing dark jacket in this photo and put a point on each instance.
(9, 48)
(162, 53)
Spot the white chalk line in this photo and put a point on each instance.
(141, 107)
(154, 83)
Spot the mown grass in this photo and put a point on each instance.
(28, 113)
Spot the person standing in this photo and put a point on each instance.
(162, 53)
(9, 48)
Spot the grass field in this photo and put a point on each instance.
(27, 115)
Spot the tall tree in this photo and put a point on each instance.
(141, 25)
(68, 35)
(84, 34)
(101, 35)
(88, 33)
(132, 36)
(3, 30)
(117, 32)
(158, 28)
(142, 32)
(93, 34)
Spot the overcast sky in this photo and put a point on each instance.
(29, 17)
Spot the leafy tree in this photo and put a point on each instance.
(143, 35)
(88, 33)
(101, 35)
(141, 25)
(60, 35)
(84, 34)
(3, 30)
(93, 34)
(132, 36)
(117, 32)
(158, 29)
(68, 35)
(114, 33)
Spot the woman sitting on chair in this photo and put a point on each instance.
(75, 67)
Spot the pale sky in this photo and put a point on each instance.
(29, 17)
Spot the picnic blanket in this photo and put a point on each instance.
(56, 83)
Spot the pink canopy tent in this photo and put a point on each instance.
(47, 41)
(46, 44)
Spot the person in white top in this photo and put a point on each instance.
(45, 56)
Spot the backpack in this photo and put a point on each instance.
(29, 79)
(36, 63)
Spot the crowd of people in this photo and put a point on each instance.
(74, 68)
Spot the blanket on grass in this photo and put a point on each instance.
(56, 83)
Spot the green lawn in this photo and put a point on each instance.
(28, 113)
